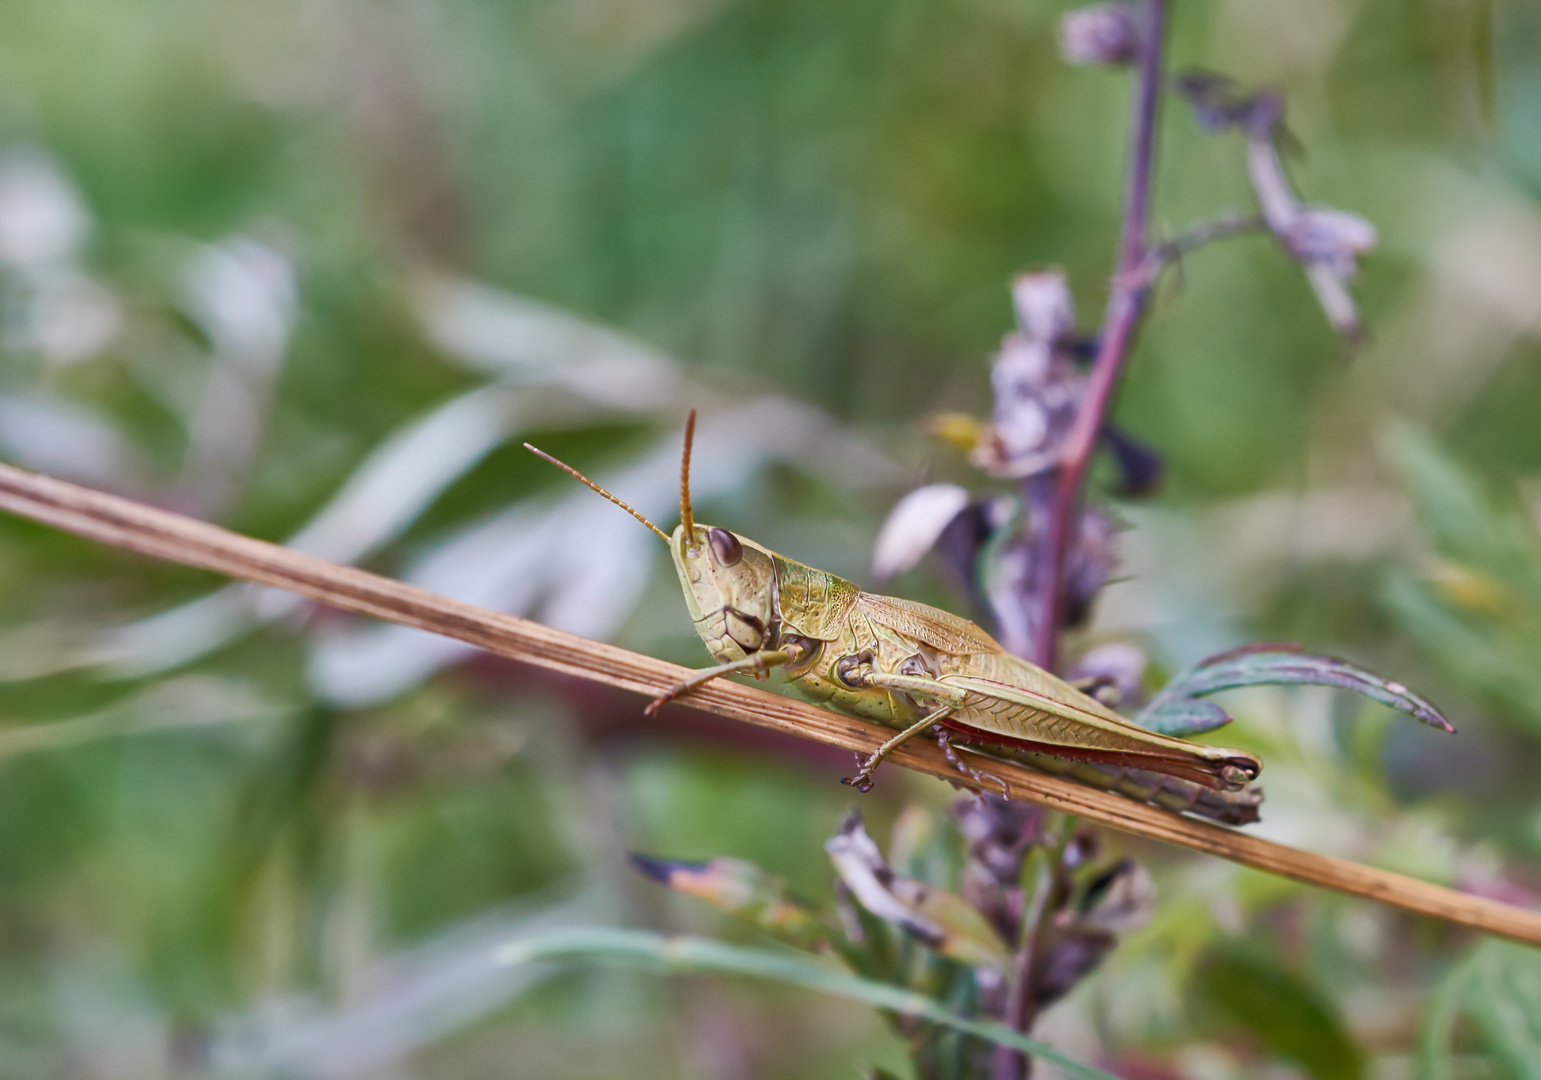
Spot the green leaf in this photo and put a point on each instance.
(657, 952)
(1276, 664)
(1182, 716)
(1283, 1013)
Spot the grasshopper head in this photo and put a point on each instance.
(730, 588)
(729, 582)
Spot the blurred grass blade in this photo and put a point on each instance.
(407, 999)
(1439, 1019)
(191, 702)
(645, 949)
(1276, 664)
(1504, 998)
(1475, 607)
(384, 496)
(1469, 519)
(913, 527)
(1499, 987)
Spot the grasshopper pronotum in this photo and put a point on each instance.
(918, 669)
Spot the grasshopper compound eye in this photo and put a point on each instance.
(725, 546)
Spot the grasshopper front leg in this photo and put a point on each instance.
(755, 662)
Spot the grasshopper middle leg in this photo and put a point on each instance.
(947, 700)
(862, 781)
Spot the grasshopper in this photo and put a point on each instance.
(918, 669)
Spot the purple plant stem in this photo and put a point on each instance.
(1126, 305)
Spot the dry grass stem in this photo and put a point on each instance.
(128, 524)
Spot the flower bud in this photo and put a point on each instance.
(1044, 307)
(1100, 34)
(1337, 238)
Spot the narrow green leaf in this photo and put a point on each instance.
(657, 952)
(1275, 664)
(1182, 716)
(1450, 498)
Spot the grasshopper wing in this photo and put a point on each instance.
(1074, 726)
(942, 630)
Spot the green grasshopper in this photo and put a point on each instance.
(918, 669)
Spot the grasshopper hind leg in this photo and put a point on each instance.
(981, 778)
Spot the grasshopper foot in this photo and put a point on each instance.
(862, 781)
(652, 707)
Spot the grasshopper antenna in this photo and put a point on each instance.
(584, 480)
(687, 519)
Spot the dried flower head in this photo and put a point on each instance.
(1217, 103)
(999, 833)
(943, 922)
(1141, 468)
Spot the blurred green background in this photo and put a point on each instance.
(314, 270)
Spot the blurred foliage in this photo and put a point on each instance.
(1475, 607)
(1272, 1004)
(318, 269)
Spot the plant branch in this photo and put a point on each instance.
(1196, 236)
(132, 525)
(1125, 307)
(1142, 157)
(1021, 1008)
